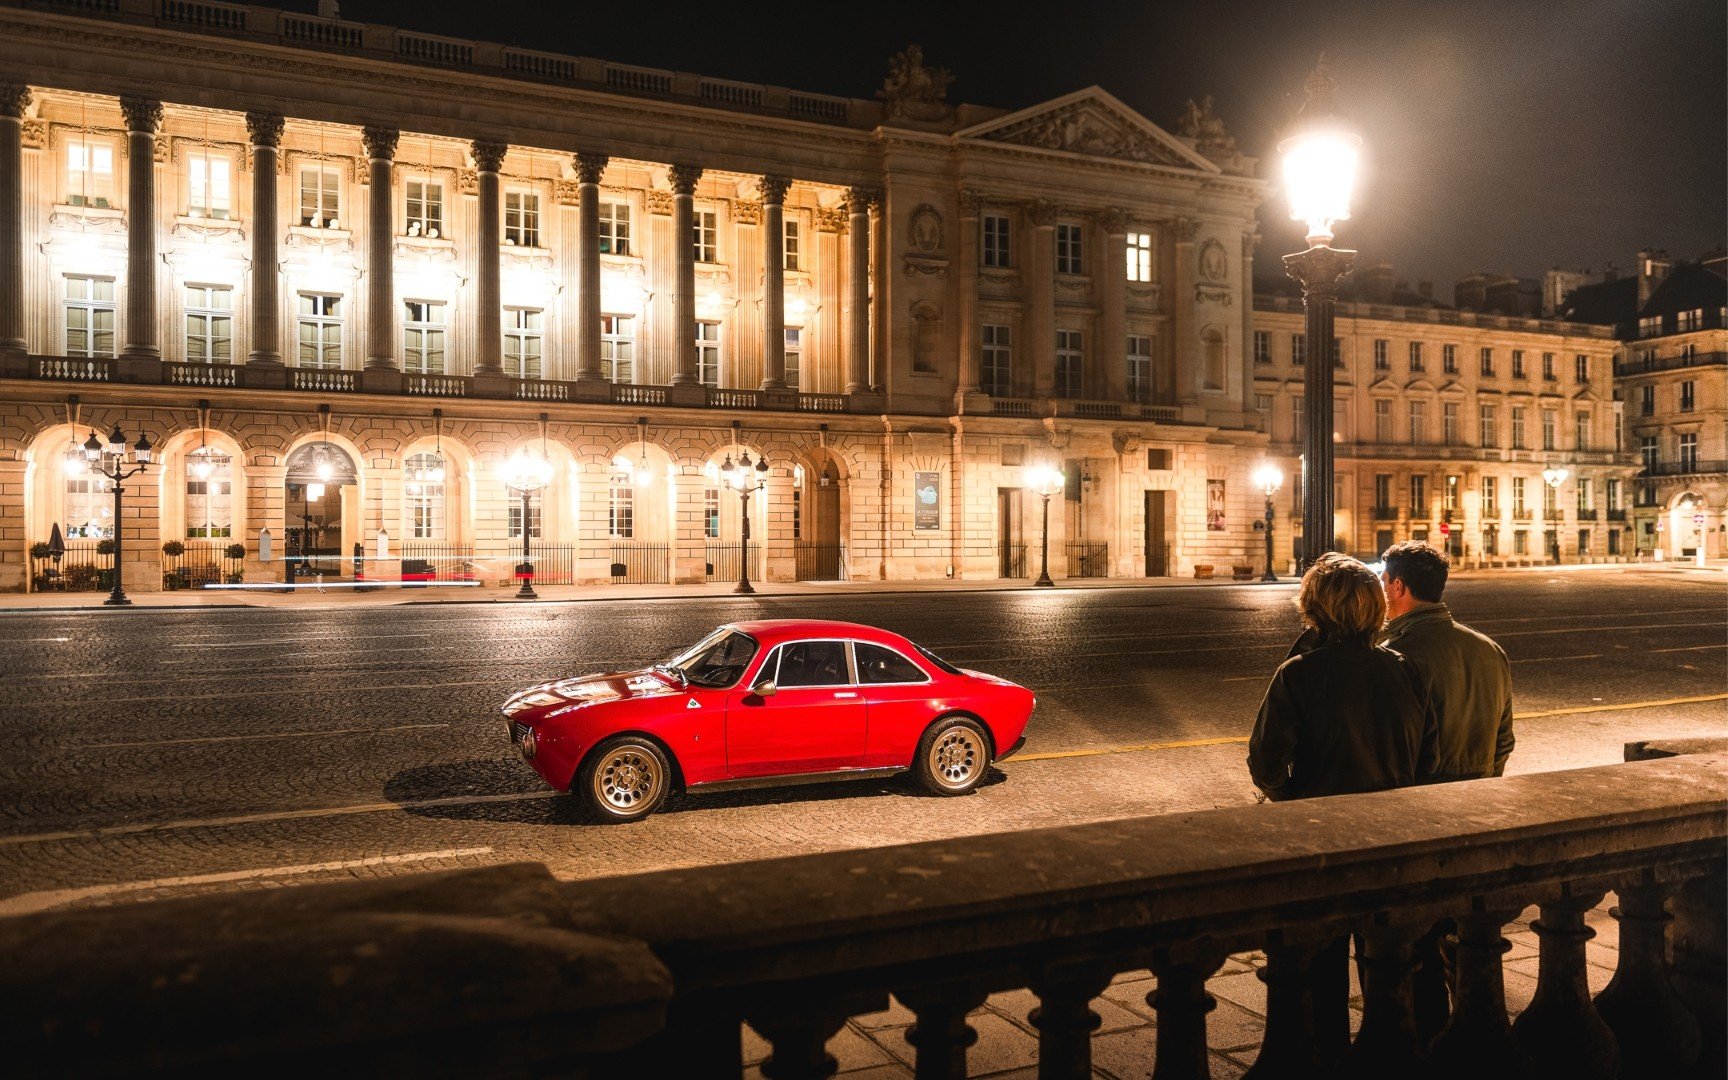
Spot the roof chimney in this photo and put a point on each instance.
(1425, 289)
(1374, 283)
(1653, 267)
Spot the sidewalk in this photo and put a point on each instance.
(345, 595)
(874, 1047)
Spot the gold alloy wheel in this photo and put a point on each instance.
(956, 756)
(627, 779)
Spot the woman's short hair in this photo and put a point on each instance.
(1342, 598)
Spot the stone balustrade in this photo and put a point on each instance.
(502, 971)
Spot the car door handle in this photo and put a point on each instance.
(847, 693)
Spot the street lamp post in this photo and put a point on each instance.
(1319, 172)
(1045, 481)
(525, 474)
(741, 478)
(117, 466)
(1554, 476)
(1269, 478)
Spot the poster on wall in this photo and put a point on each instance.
(927, 500)
(1215, 505)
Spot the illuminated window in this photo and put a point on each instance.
(1518, 428)
(614, 228)
(320, 198)
(89, 173)
(707, 229)
(1139, 256)
(621, 509)
(522, 219)
(524, 342)
(1549, 423)
(425, 208)
(89, 316)
(210, 188)
(1491, 496)
(513, 525)
(708, 353)
(794, 357)
(792, 240)
(423, 337)
(209, 494)
(423, 493)
(320, 325)
(89, 507)
(711, 513)
(618, 348)
(209, 324)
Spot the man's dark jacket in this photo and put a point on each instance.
(1340, 719)
(1471, 683)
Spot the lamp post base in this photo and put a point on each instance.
(744, 587)
(117, 600)
(1044, 583)
(526, 592)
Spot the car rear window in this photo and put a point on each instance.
(880, 664)
(937, 660)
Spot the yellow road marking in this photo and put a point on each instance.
(1238, 740)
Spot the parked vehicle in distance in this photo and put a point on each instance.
(762, 703)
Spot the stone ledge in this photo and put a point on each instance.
(1650, 749)
(457, 973)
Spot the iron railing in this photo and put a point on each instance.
(819, 560)
(87, 565)
(721, 557)
(431, 561)
(641, 564)
(203, 562)
(1087, 559)
(1011, 560)
(553, 564)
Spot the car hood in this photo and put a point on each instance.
(567, 695)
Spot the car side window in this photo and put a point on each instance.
(813, 663)
(879, 664)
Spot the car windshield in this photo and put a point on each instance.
(934, 659)
(718, 660)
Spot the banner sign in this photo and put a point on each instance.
(927, 501)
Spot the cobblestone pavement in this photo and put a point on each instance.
(155, 753)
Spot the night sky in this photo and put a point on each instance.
(1508, 136)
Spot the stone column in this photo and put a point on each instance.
(1245, 296)
(1041, 299)
(966, 287)
(380, 247)
(488, 159)
(14, 99)
(1180, 231)
(683, 179)
(589, 167)
(143, 121)
(266, 133)
(773, 189)
(858, 201)
(1112, 279)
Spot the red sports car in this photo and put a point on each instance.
(761, 703)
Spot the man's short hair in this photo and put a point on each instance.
(1342, 599)
(1421, 566)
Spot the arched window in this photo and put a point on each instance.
(424, 491)
(209, 494)
(621, 508)
(89, 507)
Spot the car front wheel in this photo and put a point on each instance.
(953, 756)
(626, 779)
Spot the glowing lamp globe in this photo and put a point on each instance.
(1044, 480)
(1320, 158)
(1268, 478)
(527, 472)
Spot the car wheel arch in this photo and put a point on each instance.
(632, 733)
(963, 714)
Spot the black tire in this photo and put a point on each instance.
(625, 779)
(953, 756)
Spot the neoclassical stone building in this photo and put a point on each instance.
(339, 274)
(1447, 418)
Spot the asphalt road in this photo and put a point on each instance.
(151, 753)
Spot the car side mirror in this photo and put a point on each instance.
(765, 688)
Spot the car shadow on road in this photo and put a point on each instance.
(472, 791)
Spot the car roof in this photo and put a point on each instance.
(773, 631)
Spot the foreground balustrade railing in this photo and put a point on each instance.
(501, 970)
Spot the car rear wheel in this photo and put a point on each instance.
(953, 756)
(626, 779)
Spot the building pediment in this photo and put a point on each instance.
(1419, 386)
(1091, 122)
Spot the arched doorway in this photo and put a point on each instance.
(321, 509)
(817, 527)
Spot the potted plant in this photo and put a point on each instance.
(236, 554)
(105, 576)
(173, 549)
(172, 577)
(41, 577)
(81, 575)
